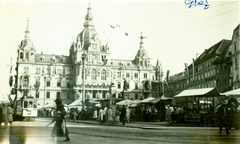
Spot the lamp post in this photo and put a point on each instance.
(111, 91)
(36, 86)
(44, 95)
(84, 55)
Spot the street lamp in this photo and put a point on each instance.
(111, 91)
(84, 55)
(36, 86)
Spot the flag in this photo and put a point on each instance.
(167, 75)
(186, 69)
(193, 69)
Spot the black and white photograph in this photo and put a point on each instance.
(119, 72)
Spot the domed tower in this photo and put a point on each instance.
(141, 58)
(26, 50)
(88, 41)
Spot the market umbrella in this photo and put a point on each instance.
(76, 103)
(147, 100)
(232, 92)
(50, 105)
(125, 102)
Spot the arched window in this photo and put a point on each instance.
(94, 74)
(103, 75)
(21, 55)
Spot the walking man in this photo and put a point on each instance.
(60, 125)
(221, 116)
(168, 115)
(123, 115)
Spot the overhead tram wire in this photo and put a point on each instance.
(199, 28)
(187, 12)
(156, 34)
(122, 25)
(168, 16)
(146, 13)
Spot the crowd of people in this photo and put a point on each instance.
(6, 117)
(105, 115)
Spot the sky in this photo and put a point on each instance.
(175, 32)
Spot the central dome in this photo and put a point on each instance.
(88, 37)
(26, 43)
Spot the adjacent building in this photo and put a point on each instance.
(217, 66)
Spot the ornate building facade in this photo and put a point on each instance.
(86, 71)
(235, 58)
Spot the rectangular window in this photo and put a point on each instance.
(58, 84)
(136, 85)
(37, 95)
(119, 85)
(145, 75)
(118, 74)
(135, 75)
(127, 75)
(26, 69)
(48, 83)
(48, 94)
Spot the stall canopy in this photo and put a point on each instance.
(232, 92)
(205, 92)
(125, 102)
(51, 105)
(147, 100)
(162, 98)
(76, 103)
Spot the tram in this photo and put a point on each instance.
(25, 109)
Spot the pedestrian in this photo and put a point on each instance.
(60, 128)
(101, 113)
(0, 115)
(105, 115)
(74, 115)
(128, 112)
(123, 115)
(221, 117)
(95, 114)
(117, 117)
(10, 117)
(110, 116)
(168, 115)
(4, 115)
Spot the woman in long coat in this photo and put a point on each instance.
(110, 116)
(4, 114)
(10, 117)
(60, 128)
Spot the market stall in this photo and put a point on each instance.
(191, 101)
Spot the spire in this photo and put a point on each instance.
(89, 18)
(141, 41)
(158, 63)
(27, 32)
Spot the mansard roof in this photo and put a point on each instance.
(126, 64)
(122, 64)
(49, 58)
(215, 49)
